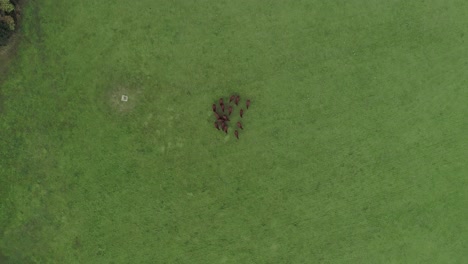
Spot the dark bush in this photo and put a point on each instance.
(5, 33)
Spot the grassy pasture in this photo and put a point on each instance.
(354, 149)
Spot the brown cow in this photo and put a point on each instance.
(239, 125)
(236, 133)
(241, 112)
(247, 103)
(237, 100)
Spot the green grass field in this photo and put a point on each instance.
(354, 150)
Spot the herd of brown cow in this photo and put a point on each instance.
(222, 117)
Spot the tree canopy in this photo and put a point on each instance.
(6, 6)
(7, 20)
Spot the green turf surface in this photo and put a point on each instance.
(354, 149)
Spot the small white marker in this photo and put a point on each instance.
(124, 98)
